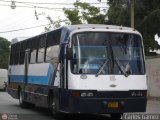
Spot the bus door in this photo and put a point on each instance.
(26, 64)
(63, 79)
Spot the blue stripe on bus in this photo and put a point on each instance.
(50, 72)
(43, 80)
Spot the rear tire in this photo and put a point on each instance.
(22, 103)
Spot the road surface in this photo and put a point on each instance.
(11, 107)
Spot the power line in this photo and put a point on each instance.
(44, 7)
(49, 3)
(23, 29)
(32, 7)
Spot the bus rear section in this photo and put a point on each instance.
(105, 72)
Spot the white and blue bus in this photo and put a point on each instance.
(80, 69)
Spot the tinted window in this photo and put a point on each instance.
(53, 38)
(41, 48)
(34, 50)
(29, 46)
(17, 52)
(12, 54)
(22, 52)
(52, 47)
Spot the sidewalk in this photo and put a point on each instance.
(153, 106)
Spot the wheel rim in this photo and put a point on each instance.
(20, 98)
(54, 108)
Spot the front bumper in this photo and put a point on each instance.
(100, 105)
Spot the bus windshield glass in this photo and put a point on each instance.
(107, 53)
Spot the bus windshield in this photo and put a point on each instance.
(107, 53)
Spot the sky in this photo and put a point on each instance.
(24, 17)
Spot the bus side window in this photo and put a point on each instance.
(17, 52)
(12, 54)
(29, 46)
(41, 48)
(22, 52)
(52, 47)
(34, 50)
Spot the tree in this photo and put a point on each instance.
(84, 13)
(55, 24)
(147, 18)
(4, 53)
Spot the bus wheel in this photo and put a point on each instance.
(58, 115)
(22, 103)
(116, 116)
(54, 108)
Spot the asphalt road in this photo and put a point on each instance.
(11, 107)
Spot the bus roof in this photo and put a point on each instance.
(71, 28)
(97, 26)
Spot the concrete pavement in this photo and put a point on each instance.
(11, 106)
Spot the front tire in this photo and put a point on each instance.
(58, 115)
(55, 113)
(116, 116)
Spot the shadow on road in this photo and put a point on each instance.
(46, 114)
(85, 117)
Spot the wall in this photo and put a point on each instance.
(153, 75)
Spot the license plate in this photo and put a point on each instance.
(113, 105)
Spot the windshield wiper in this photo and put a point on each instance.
(101, 68)
(125, 72)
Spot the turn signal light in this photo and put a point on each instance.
(145, 93)
(75, 94)
(81, 94)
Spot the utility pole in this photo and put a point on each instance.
(132, 13)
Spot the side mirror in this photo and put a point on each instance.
(69, 53)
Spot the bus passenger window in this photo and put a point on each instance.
(17, 51)
(41, 48)
(29, 47)
(52, 47)
(12, 54)
(22, 52)
(52, 54)
(33, 51)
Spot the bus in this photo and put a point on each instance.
(86, 68)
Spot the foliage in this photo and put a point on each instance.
(147, 18)
(84, 13)
(4, 53)
(54, 24)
